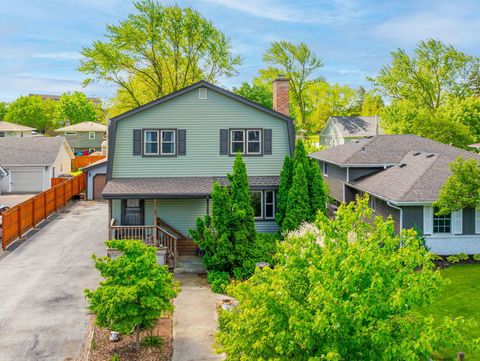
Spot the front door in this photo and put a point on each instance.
(133, 211)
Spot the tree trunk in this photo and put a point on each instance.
(137, 338)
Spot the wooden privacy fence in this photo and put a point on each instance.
(84, 160)
(55, 181)
(24, 216)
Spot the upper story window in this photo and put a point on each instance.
(246, 141)
(150, 142)
(443, 223)
(168, 142)
(91, 135)
(159, 142)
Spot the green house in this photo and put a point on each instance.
(164, 157)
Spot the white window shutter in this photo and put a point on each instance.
(477, 220)
(427, 219)
(457, 222)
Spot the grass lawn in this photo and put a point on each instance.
(461, 297)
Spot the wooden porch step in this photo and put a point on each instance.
(187, 247)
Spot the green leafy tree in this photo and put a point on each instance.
(300, 65)
(464, 111)
(135, 290)
(341, 289)
(462, 188)
(31, 111)
(75, 108)
(3, 110)
(157, 50)
(298, 203)
(286, 177)
(318, 191)
(372, 104)
(256, 92)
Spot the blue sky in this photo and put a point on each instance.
(40, 39)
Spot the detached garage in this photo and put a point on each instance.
(96, 179)
(31, 162)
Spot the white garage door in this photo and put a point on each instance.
(28, 180)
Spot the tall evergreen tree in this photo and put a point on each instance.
(298, 204)
(286, 177)
(319, 191)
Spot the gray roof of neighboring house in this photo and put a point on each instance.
(386, 150)
(96, 164)
(175, 187)
(84, 127)
(12, 127)
(34, 151)
(357, 126)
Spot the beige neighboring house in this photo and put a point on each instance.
(8, 129)
(31, 162)
(344, 130)
(84, 136)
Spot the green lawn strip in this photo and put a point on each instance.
(461, 297)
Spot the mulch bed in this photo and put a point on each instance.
(102, 349)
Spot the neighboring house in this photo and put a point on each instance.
(94, 100)
(8, 129)
(164, 156)
(403, 175)
(96, 179)
(343, 130)
(3, 174)
(85, 136)
(31, 162)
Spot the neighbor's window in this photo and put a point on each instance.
(256, 199)
(441, 224)
(2, 134)
(269, 204)
(150, 142)
(237, 144)
(253, 141)
(91, 135)
(168, 142)
(70, 133)
(325, 169)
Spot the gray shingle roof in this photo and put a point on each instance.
(386, 150)
(30, 150)
(175, 187)
(357, 126)
(7, 126)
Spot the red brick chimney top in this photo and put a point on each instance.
(280, 95)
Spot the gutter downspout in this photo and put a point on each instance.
(401, 213)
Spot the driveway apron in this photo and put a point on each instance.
(43, 312)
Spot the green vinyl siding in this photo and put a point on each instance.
(202, 119)
(180, 214)
(117, 210)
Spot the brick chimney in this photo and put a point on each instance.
(280, 95)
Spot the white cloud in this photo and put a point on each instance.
(59, 55)
(275, 10)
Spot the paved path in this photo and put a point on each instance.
(194, 320)
(42, 306)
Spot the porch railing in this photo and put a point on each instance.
(156, 236)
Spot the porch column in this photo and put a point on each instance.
(110, 235)
(155, 216)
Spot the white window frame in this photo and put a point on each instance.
(91, 135)
(70, 133)
(237, 141)
(259, 141)
(433, 223)
(261, 204)
(174, 141)
(269, 204)
(145, 141)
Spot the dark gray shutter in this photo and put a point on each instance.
(223, 141)
(137, 142)
(267, 141)
(182, 141)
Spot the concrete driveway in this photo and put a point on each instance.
(11, 200)
(42, 307)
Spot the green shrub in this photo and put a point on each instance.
(462, 257)
(453, 259)
(115, 357)
(476, 257)
(218, 280)
(152, 341)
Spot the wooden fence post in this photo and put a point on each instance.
(461, 356)
(19, 217)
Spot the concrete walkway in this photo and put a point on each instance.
(42, 306)
(194, 319)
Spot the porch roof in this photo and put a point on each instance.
(176, 187)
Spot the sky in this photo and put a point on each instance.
(40, 39)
